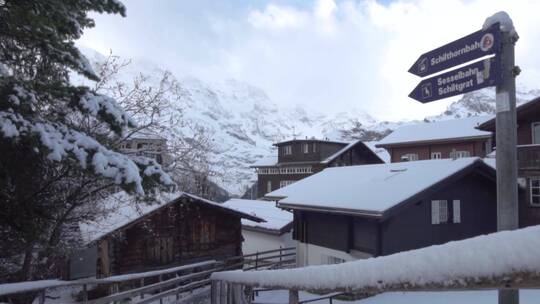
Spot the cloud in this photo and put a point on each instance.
(324, 55)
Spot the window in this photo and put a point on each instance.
(535, 126)
(314, 147)
(305, 147)
(331, 260)
(439, 212)
(296, 170)
(535, 191)
(436, 155)
(456, 208)
(265, 171)
(285, 183)
(269, 186)
(409, 157)
(287, 150)
(459, 154)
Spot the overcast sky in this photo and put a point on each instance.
(326, 55)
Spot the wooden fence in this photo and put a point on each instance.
(155, 286)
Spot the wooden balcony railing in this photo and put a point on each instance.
(528, 157)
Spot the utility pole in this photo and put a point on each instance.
(506, 137)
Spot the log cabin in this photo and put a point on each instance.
(300, 158)
(135, 237)
(438, 140)
(348, 213)
(528, 153)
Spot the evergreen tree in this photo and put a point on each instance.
(55, 137)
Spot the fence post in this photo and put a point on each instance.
(293, 297)
(142, 285)
(85, 294)
(256, 260)
(42, 297)
(160, 289)
(280, 255)
(213, 292)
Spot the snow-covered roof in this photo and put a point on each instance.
(345, 149)
(531, 107)
(434, 131)
(368, 189)
(499, 256)
(325, 140)
(381, 152)
(491, 161)
(121, 210)
(276, 218)
(268, 161)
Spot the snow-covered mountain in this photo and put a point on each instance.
(244, 122)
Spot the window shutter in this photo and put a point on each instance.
(457, 211)
(435, 212)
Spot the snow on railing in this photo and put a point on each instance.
(170, 281)
(496, 261)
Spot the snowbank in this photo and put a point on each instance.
(455, 263)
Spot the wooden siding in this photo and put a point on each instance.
(181, 233)
(322, 151)
(409, 227)
(322, 229)
(475, 147)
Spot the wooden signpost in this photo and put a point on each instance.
(499, 71)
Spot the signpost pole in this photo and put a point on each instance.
(506, 134)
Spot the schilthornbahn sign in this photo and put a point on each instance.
(468, 48)
(478, 75)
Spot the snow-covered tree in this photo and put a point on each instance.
(157, 103)
(52, 165)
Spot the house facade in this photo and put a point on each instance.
(438, 140)
(528, 153)
(181, 230)
(300, 158)
(274, 233)
(344, 214)
(148, 145)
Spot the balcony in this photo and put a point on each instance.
(528, 157)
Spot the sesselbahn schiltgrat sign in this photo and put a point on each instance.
(468, 48)
(478, 75)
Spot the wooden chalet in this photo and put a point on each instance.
(528, 153)
(438, 140)
(182, 229)
(300, 158)
(348, 213)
